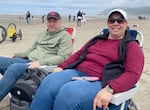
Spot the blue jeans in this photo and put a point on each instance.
(11, 69)
(58, 92)
(28, 20)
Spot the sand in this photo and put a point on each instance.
(83, 33)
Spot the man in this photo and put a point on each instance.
(51, 47)
(28, 17)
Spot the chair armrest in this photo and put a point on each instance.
(48, 68)
(119, 98)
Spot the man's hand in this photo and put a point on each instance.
(34, 64)
(102, 99)
(11, 56)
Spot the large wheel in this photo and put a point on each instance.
(12, 25)
(3, 34)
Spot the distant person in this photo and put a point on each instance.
(69, 17)
(83, 21)
(43, 18)
(51, 47)
(28, 15)
(19, 17)
(32, 16)
(79, 18)
(74, 18)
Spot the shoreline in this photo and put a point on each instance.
(88, 17)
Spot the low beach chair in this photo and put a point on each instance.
(121, 98)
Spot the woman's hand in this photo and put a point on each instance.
(102, 99)
(57, 69)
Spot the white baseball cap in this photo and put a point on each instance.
(122, 12)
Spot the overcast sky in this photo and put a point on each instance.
(64, 5)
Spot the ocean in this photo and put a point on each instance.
(15, 9)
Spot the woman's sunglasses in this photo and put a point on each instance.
(113, 20)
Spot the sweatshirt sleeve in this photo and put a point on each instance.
(134, 65)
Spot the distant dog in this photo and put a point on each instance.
(135, 25)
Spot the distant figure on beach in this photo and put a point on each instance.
(74, 18)
(69, 17)
(43, 17)
(141, 17)
(20, 17)
(83, 21)
(28, 15)
(79, 18)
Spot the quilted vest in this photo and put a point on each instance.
(117, 66)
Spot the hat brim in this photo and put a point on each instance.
(122, 12)
(53, 17)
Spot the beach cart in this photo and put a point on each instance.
(12, 32)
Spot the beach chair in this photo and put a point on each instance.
(3, 34)
(72, 32)
(12, 32)
(121, 98)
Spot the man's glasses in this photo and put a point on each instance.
(113, 20)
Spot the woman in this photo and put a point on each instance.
(78, 83)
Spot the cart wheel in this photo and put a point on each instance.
(12, 25)
(14, 37)
(3, 34)
(20, 34)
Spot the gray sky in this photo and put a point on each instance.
(75, 4)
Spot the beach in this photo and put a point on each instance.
(83, 34)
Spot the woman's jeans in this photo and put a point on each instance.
(59, 92)
(11, 69)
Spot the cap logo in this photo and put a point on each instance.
(52, 13)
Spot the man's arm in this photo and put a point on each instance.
(26, 52)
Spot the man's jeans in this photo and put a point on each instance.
(59, 92)
(11, 69)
